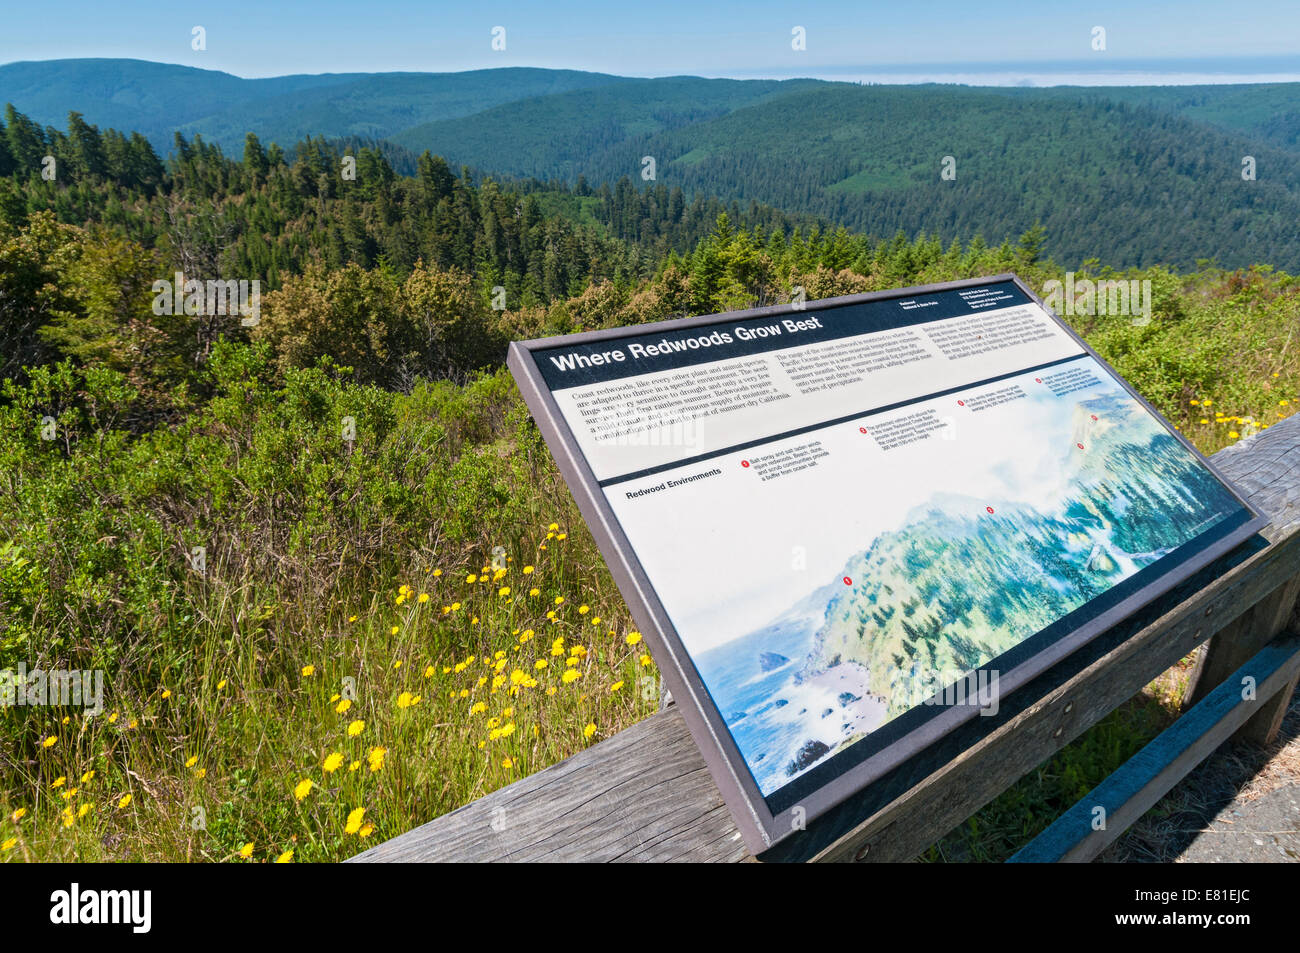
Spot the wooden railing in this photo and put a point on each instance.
(645, 794)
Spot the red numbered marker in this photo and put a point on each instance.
(1094, 416)
(848, 581)
(745, 464)
(1038, 380)
(1079, 445)
(862, 430)
(961, 403)
(990, 509)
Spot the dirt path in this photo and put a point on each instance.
(1241, 805)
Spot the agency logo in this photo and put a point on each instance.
(105, 907)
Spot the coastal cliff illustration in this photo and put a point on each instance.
(961, 581)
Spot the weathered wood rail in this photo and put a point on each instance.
(646, 795)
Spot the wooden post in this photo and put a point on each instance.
(1263, 727)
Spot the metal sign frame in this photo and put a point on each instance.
(760, 824)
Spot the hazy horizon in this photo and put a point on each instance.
(1172, 71)
(1146, 42)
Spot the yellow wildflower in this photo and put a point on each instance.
(354, 820)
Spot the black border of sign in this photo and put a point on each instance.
(760, 827)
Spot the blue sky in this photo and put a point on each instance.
(666, 37)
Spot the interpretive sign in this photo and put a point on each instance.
(847, 526)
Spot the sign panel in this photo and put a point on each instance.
(847, 527)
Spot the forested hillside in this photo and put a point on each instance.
(1132, 176)
(273, 214)
(1107, 180)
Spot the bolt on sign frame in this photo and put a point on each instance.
(767, 403)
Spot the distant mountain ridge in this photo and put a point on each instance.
(158, 99)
